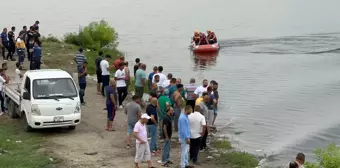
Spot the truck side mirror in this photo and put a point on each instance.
(26, 96)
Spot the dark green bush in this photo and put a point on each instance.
(94, 36)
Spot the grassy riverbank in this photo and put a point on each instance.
(19, 149)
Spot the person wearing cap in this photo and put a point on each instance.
(80, 57)
(105, 68)
(142, 146)
(190, 90)
(211, 37)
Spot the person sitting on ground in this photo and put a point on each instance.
(211, 37)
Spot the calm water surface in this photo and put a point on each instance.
(278, 68)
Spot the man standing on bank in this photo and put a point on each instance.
(121, 84)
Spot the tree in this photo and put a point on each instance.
(95, 36)
(326, 158)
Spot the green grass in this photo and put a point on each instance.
(22, 154)
(223, 144)
(237, 159)
(61, 55)
(231, 158)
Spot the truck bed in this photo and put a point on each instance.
(11, 90)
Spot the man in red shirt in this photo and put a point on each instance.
(118, 61)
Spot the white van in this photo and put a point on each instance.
(45, 98)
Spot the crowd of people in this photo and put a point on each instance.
(27, 42)
(190, 109)
(163, 113)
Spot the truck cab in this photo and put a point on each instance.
(44, 99)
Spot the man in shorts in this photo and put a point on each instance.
(133, 111)
(142, 146)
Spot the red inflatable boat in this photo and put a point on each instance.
(205, 48)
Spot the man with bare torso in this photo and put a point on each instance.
(178, 101)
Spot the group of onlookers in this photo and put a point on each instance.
(26, 42)
(188, 109)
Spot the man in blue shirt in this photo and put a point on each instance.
(80, 57)
(151, 76)
(82, 73)
(36, 60)
(4, 42)
(184, 136)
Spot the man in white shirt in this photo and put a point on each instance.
(105, 67)
(2, 82)
(166, 83)
(121, 84)
(162, 77)
(197, 130)
(199, 91)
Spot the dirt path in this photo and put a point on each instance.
(90, 136)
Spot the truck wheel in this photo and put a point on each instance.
(12, 109)
(72, 127)
(27, 128)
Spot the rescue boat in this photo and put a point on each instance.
(205, 48)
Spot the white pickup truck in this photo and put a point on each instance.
(45, 98)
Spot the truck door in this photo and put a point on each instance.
(25, 105)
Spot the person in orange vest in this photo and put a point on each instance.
(196, 37)
(211, 37)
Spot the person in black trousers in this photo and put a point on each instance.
(121, 84)
(105, 67)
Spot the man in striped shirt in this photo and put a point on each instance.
(80, 58)
(190, 90)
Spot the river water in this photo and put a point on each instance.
(278, 67)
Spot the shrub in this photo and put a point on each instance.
(326, 158)
(50, 38)
(94, 36)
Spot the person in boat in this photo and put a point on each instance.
(211, 37)
(196, 38)
(203, 39)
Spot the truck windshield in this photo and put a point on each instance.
(54, 87)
